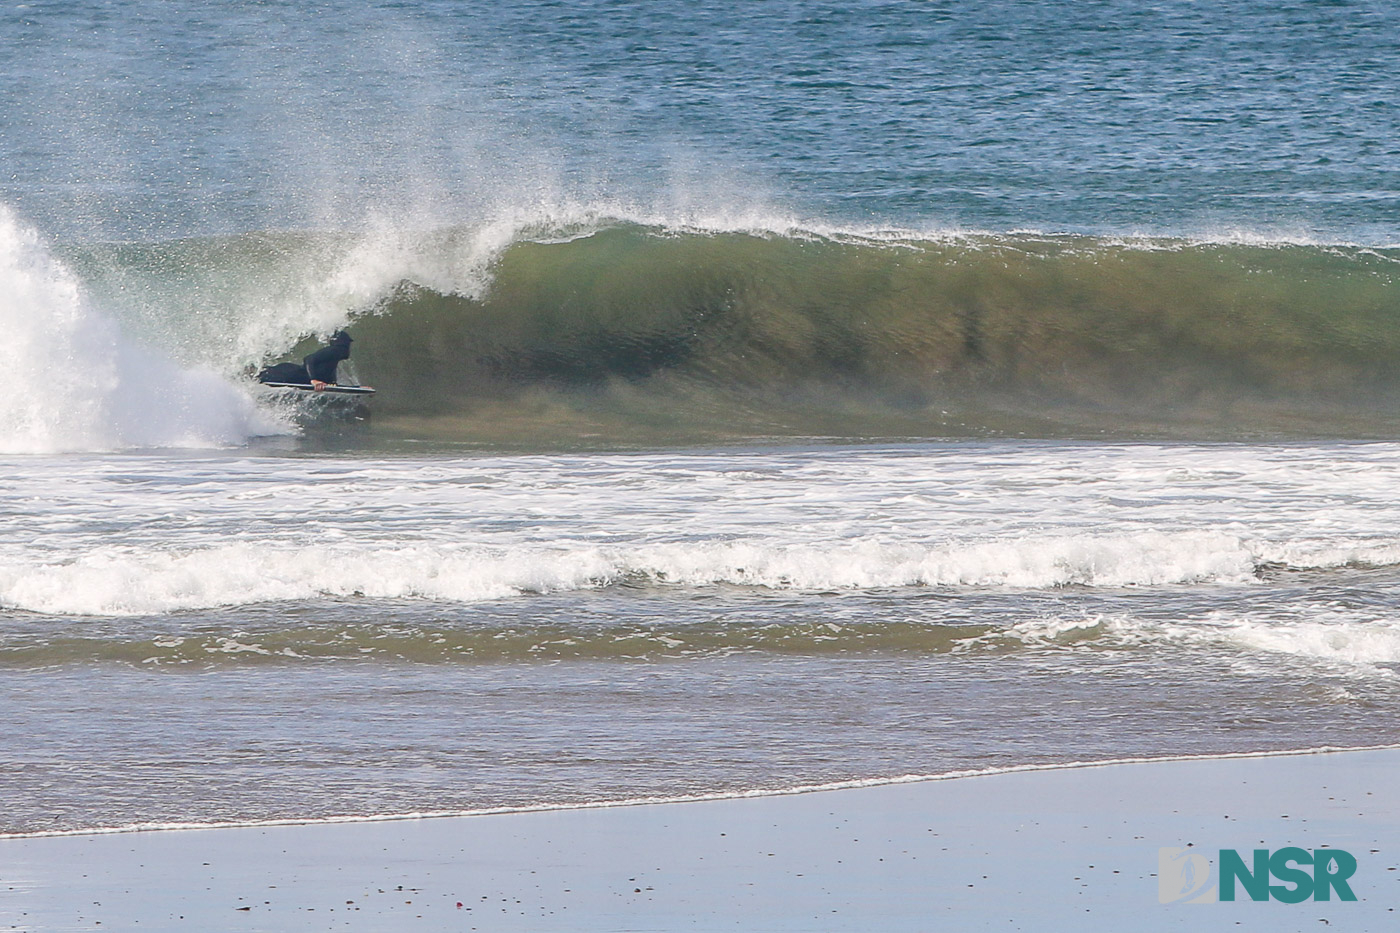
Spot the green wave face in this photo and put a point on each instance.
(628, 332)
(743, 334)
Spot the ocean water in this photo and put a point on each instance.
(770, 396)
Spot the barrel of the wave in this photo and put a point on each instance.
(313, 388)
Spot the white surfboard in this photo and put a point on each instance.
(333, 390)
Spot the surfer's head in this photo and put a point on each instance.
(340, 336)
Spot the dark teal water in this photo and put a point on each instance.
(131, 119)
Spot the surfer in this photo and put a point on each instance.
(317, 369)
(320, 366)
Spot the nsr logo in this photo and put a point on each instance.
(1184, 876)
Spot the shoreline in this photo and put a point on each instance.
(800, 789)
(1046, 849)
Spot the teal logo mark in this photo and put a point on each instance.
(1290, 875)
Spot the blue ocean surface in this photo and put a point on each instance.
(769, 395)
(141, 120)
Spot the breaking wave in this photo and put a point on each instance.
(141, 580)
(585, 324)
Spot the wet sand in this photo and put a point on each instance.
(1066, 849)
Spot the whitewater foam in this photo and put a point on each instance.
(1342, 641)
(139, 580)
(73, 381)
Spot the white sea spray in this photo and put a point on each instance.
(71, 380)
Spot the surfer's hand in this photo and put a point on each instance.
(318, 385)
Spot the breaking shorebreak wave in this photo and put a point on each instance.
(140, 580)
(613, 328)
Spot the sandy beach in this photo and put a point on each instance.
(1063, 849)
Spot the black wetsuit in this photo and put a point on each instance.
(320, 366)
